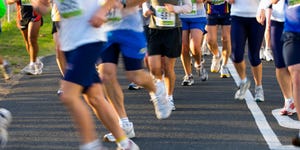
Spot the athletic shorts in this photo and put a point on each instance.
(276, 43)
(291, 48)
(132, 46)
(215, 19)
(165, 42)
(81, 62)
(194, 23)
(28, 15)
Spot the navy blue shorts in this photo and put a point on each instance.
(81, 62)
(276, 43)
(215, 19)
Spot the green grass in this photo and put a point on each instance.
(12, 46)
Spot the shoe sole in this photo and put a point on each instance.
(224, 76)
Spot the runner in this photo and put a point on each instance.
(193, 29)
(244, 27)
(82, 39)
(218, 14)
(29, 23)
(282, 74)
(165, 41)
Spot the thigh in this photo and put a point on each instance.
(238, 36)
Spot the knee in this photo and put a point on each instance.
(107, 76)
(65, 98)
(94, 101)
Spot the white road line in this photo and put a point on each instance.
(285, 121)
(260, 120)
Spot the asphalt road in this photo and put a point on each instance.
(207, 116)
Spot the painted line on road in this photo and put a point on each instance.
(259, 117)
(285, 121)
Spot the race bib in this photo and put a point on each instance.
(217, 2)
(69, 8)
(114, 15)
(294, 2)
(25, 2)
(164, 18)
(194, 8)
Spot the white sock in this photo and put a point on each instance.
(31, 63)
(258, 87)
(169, 96)
(288, 100)
(124, 120)
(244, 80)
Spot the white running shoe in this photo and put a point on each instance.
(205, 50)
(215, 64)
(171, 101)
(241, 92)
(128, 129)
(202, 71)
(38, 67)
(161, 104)
(288, 109)
(259, 94)
(188, 80)
(33, 69)
(261, 54)
(268, 54)
(6, 70)
(131, 146)
(224, 72)
(5, 120)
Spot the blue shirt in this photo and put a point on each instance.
(292, 16)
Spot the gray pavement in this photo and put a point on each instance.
(207, 116)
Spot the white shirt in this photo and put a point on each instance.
(76, 30)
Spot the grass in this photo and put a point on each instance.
(12, 46)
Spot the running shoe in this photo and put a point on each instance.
(188, 80)
(128, 129)
(296, 141)
(38, 67)
(241, 92)
(3, 137)
(259, 94)
(205, 50)
(268, 54)
(202, 71)
(133, 86)
(33, 69)
(29, 70)
(224, 72)
(171, 101)
(161, 104)
(130, 146)
(6, 70)
(261, 54)
(215, 64)
(288, 109)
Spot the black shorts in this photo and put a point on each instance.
(27, 16)
(216, 19)
(165, 42)
(291, 48)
